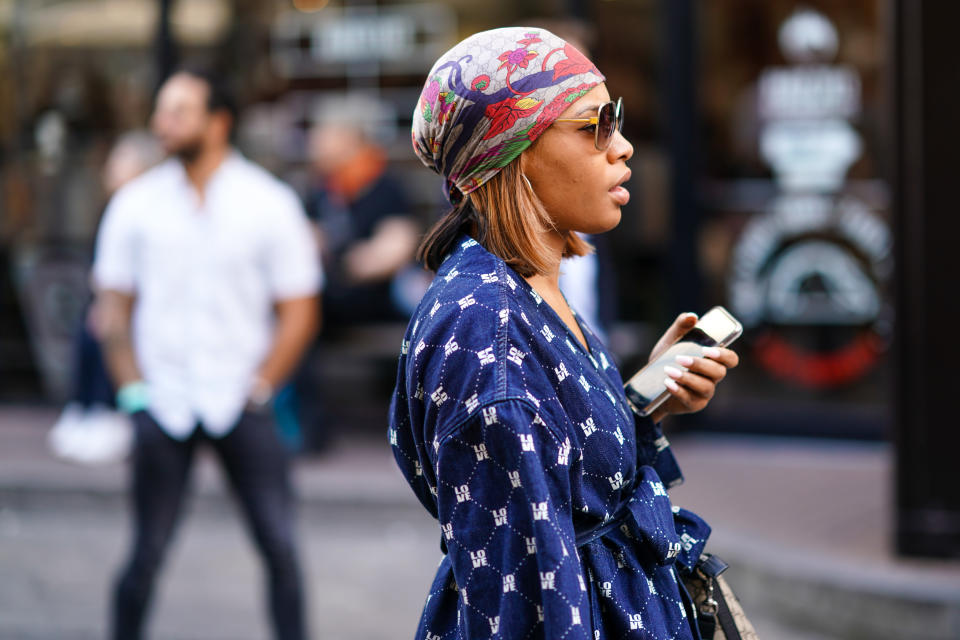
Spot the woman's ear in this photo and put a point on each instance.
(527, 162)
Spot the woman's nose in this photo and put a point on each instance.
(620, 148)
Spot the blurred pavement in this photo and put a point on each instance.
(805, 525)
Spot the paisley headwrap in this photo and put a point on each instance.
(490, 97)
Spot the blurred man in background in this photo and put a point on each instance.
(366, 232)
(367, 238)
(207, 273)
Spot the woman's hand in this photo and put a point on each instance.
(691, 390)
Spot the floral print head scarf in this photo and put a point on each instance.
(490, 97)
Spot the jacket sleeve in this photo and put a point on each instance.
(505, 509)
(654, 449)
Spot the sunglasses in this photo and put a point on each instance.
(609, 118)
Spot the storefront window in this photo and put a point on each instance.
(796, 237)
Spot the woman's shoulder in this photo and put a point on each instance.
(458, 343)
(473, 289)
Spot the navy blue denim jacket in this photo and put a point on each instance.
(549, 491)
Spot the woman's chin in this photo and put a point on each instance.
(607, 222)
(603, 217)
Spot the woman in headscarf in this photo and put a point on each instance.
(509, 419)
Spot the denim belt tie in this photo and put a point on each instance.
(666, 533)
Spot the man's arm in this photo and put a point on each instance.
(298, 320)
(388, 250)
(113, 311)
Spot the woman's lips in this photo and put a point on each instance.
(620, 195)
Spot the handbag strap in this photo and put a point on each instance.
(709, 567)
(724, 615)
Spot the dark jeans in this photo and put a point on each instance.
(257, 467)
(91, 384)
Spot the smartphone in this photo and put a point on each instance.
(646, 391)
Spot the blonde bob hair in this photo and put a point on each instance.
(508, 219)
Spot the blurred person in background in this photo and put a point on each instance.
(90, 429)
(207, 274)
(509, 419)
(367, 238)
(367, 235)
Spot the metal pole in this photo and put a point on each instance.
(166, 49)
(926, 349)
(679, 88)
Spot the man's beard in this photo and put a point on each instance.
(189, 151)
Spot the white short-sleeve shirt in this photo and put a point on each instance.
(205, 277)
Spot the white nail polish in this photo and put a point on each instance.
(685, 361)
(711, 352)
(671, 384)
(673, 372)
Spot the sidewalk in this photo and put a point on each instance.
(804, 524)
(357, 472)
(807, 527)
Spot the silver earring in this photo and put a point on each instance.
(527, 180)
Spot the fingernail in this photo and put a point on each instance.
(685, 361)
(673, 372)
(711, 352)
(673, 386)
